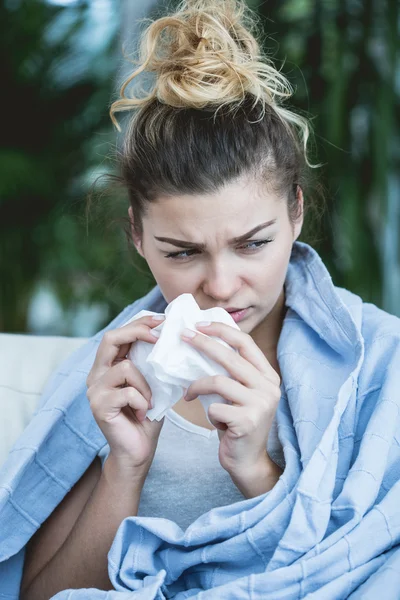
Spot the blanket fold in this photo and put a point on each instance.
(329, 529)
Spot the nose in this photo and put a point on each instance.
(221, 283)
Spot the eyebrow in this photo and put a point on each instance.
(237, 240)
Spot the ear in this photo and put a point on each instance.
(136, 239)
(299, 222)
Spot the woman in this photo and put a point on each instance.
(217, 172)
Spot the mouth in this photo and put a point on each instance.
(238, 314)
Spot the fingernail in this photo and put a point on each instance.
(203, 323)
(158, 317)
(155, 333)
(188, 333)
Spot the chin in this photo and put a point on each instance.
(247, 325)
(256, 322)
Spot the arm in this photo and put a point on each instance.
(70, 549)
(261, 480)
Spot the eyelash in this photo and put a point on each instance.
(178, 255)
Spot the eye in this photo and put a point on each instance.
(185, 254)
(261, 242)
(179, 255)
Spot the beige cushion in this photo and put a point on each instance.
(26, 363)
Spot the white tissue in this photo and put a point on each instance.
(171, 364)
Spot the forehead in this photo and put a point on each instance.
(231, 211)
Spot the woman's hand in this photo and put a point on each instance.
(120, 396)
(254, 393)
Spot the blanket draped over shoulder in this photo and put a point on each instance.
(330, 527)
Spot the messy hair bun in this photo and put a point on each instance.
(206, 55)
(214, 113)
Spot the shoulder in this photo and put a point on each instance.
(381, 334)
(374, 323)
(379, 328)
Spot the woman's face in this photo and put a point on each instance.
(206, 261)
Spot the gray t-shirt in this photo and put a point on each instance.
(185, 479)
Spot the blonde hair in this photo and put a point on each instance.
(213, 114)
(206, 55)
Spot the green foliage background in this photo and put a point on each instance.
(342, 57)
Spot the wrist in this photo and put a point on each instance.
(258, 479)
(118, 470)
(120, 487)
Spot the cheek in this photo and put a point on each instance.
(274, 268)
(172, 281)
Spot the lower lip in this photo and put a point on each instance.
(239, 315)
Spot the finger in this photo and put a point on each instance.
(231, 390)
(223, 419)
(238, 421)
(218, 425)
(108, 404)
(246, 346)
(237, 366)
(126, 373)
(116, 343)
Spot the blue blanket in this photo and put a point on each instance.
(329, 529)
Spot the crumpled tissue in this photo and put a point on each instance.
(171, 364)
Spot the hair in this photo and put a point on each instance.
(214, 113)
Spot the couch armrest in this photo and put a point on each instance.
(26, 363)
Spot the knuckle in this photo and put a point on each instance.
(107, 337)
(130, 394)
(92, 377)
(135, 324)
(125, 366)
(94, 400)
(274, 379)
(92, 391)
(276, 393)
(212, 410)
(277, 379)
(135, 399)
(217, 381)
